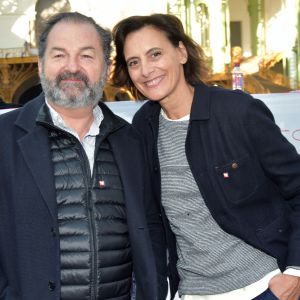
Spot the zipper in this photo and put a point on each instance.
(89, 208)
(91, 219)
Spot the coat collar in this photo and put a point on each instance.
(35, 148)
(200, 105)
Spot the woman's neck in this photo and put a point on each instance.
(178, 106)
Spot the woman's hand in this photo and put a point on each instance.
(285, 287)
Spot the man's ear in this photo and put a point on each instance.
(40, 66)
(183, 52)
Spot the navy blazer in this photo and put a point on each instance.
(29, 245)
(246, 171)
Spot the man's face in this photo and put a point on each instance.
(73, 71)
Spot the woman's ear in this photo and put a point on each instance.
(183, 52)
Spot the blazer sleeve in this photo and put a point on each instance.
(154, 220)
(158, 241)
(4, 288)
(281, 163)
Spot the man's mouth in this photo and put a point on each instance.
(72, 78)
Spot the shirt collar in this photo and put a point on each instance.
(59, 122)
(184, 118)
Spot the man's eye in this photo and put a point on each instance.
(58, 55)
(87, 56)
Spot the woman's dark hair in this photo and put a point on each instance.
(75, 17)
(195, 69)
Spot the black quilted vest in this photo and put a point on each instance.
(95, 250)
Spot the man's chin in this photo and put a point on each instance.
(72, 95)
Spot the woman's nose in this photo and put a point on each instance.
(146, 69)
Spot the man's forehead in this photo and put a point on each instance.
(74, 34)
(77, 28)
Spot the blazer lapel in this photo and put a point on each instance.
(35, 148)
(129, 161)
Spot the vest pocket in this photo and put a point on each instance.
(237, 179)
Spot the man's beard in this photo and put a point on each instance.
(73, 94)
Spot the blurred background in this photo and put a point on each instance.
(262, 35)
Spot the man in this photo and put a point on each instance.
(73, 186)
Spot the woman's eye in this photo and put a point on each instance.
(156, 54)
(132, 63)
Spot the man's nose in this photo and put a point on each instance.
(72, 64)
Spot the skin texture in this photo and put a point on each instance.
(155, 67)
(285, 287)
(73, 48)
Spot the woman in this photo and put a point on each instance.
(227, 181)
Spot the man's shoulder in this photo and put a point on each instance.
(29, 110)
(8, 116)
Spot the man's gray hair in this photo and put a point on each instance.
(75, 17)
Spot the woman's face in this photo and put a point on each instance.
(155, 66)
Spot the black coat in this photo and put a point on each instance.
(29, 247)
(246, 171)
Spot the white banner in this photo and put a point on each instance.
(285, 108)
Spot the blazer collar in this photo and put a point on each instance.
(200, 105)
(28, 113)
(35, 148)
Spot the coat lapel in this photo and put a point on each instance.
(128, 155)
(35, 148)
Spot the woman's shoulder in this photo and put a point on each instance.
(148, 109)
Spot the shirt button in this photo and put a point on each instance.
(51, 285)
(234, 165)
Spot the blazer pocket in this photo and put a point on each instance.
(275, 236)
(237, 179)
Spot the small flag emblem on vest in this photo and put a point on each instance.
(101, 183)
(225, 175)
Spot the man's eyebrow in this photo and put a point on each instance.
(88, 48)
(57, 49)
(81, 49)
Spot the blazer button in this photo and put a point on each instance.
(51, 285)
(155, 169)
(234, 165)
(53, 232)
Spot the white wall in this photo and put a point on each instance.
(14, 22)
(107, 13)
(239, 12)
(281, 25)
(15, 15)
